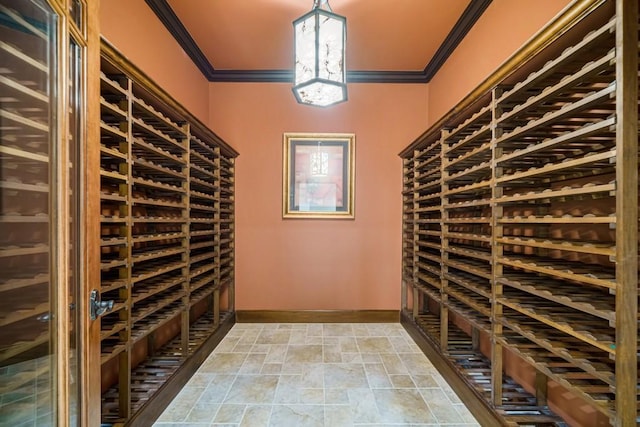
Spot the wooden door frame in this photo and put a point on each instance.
(88, 344)
(90, 393)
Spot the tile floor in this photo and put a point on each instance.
(312, 374)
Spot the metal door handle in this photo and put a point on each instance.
(97, 307)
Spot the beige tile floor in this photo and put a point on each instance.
(312, 374)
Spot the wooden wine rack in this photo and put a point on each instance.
(167, 222)
(525, 237)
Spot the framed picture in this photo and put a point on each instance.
(318, 175)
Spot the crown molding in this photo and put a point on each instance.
(471, 14)
(170, 20)
(253, 76)
(286, 76)
(386, 77)
(172, 23)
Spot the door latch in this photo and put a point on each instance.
(97, 307)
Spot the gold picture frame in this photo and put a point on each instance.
(318, 178)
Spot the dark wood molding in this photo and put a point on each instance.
(151, 410)
(317, 316)
(170, 20)
(252, 76)
(471, 14)
(485, 415)
(286, 76)
(386, 77)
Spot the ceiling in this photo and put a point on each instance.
(252, 40)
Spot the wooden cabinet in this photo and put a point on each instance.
(167, 238)
(525, 242)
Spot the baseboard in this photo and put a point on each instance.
(318, 316)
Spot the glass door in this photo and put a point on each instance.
(44, 327)
(28, 232)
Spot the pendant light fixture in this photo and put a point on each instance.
(320, 73)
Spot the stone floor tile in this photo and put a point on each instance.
(402, 381)
(402, 406)
(229, 413)
(227, 344)
(417, 363)
(435, 395)
(202, 412)
(276, 354)
(351, 357)
(374, 345)
(400, 345)
(276, 336)
(345, 375)
(338, 416)
(331, 375)
(217, 389)
(171, 424)
(377, 375)
(312, 396)
(303, 354)
(223, 363)
(445, 413)
(298, 336)
(256, 389)
(200, 379)
(312, 375)
(271, 368)
(252, 364)
(336, 396)
(360, 330)
(337, 329)
(424, 381)
(363, 406)
(314, 329)
(256, 416)
(297, 415)
(393, 364)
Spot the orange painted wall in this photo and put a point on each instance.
(501, 30)
(138, 34)
(299, 264)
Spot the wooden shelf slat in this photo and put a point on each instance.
(139, 102)
(599, 276)
(591, 331)
(596, 248)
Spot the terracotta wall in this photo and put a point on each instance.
(299, 264)
(133, 28)
(501, 30)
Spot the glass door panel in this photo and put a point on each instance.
(74, 139)
(28, 143)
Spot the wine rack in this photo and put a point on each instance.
(532, 231)
(227, 228)
(423, 228)
(167, 236)
(466, 202)
(555, 173)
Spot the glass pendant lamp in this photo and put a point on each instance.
(320, 72)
